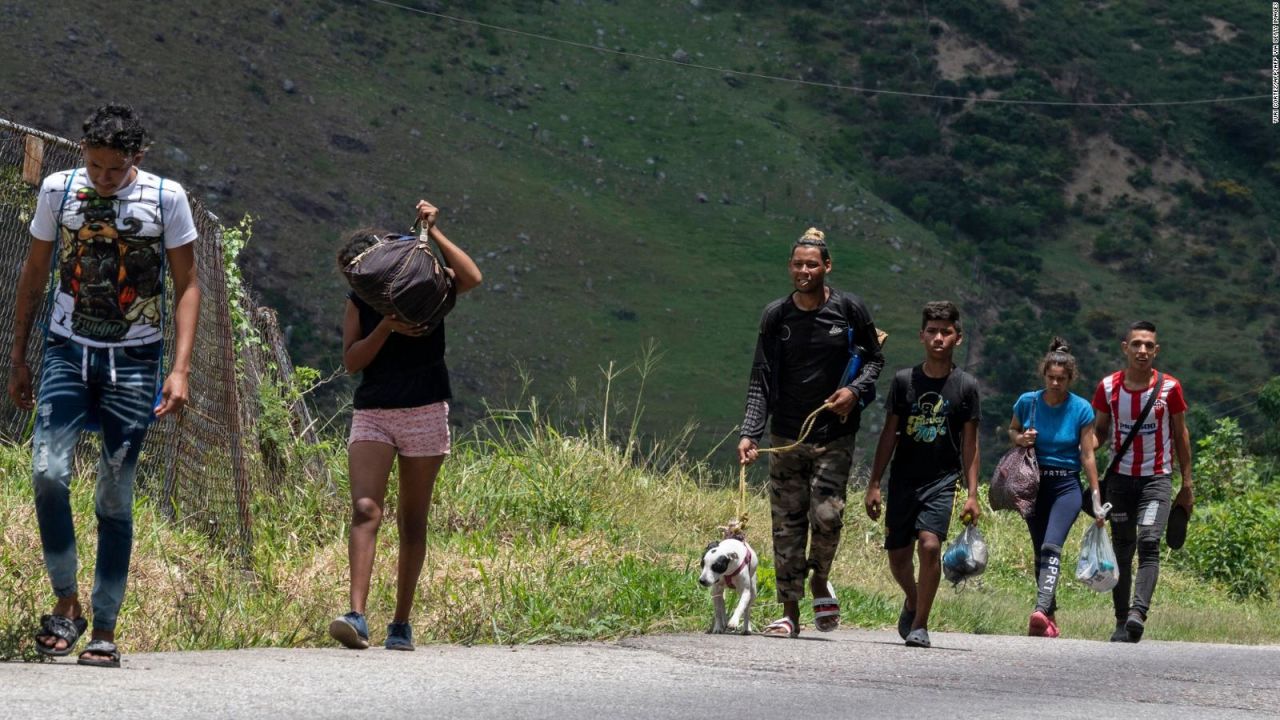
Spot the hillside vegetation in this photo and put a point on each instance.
(611, 199)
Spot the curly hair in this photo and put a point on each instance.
(357, 242)
(117, 127)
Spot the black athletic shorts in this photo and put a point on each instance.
(914, 505)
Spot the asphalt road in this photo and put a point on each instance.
(846, 674)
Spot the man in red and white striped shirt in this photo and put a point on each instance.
(1139, 486)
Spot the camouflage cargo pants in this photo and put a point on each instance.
(807, 495)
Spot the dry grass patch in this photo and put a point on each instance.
(1104, 169)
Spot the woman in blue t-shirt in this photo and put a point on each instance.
(1059, 424)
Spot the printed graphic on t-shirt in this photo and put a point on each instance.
(927, 420)
(109, 270)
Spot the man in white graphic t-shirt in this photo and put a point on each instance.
(1139, 487)
(109, 232)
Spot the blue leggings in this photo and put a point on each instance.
(1058, 503)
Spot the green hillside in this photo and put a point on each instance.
(611, 199)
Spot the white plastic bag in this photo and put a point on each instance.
(966, 556)
(1097, 565)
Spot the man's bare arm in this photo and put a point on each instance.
(31, 290)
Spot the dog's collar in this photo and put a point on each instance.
(728, 579)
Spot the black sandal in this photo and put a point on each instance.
(100, 647)
(59, 627)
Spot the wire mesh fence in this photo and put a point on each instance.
(201, 466)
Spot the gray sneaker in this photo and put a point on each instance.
(1121, 634)
(919, 638)
(905, 619)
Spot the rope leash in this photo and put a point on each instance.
(805, 428)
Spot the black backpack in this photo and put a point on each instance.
(402, 276)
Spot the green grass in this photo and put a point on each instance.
(537, 535)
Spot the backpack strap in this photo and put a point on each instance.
(846, 309)
(956, 375)
(66, 191)
(49, 298)
(164, 259)
(911, 393)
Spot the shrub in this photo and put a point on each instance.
(1269, 406)
(1139, 137)
(1236, 543)
(1224, 468)
(1142, 178)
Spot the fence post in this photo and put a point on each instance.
(32, 159)
(303, 424)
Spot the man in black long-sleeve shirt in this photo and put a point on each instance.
(802, 354)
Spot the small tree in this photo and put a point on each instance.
(1267, 445)
(1223, 466)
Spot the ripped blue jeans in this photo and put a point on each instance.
(116, 388)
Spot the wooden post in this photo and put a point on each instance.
(33, 159)
(303, 424)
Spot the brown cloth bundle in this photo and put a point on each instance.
(402, 277)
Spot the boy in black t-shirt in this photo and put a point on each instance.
(931, 432)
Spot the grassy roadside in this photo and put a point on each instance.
(536, 536)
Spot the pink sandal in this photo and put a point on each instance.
(782, 627)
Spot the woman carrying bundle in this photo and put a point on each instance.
(1059, 425)
(401, 414)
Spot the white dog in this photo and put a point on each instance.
(730, 564)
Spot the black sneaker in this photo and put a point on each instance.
(350, 630)
(905, 620)
(1121, 634)
(1135, 626)
(399, 636)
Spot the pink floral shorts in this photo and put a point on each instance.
(413, 432)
